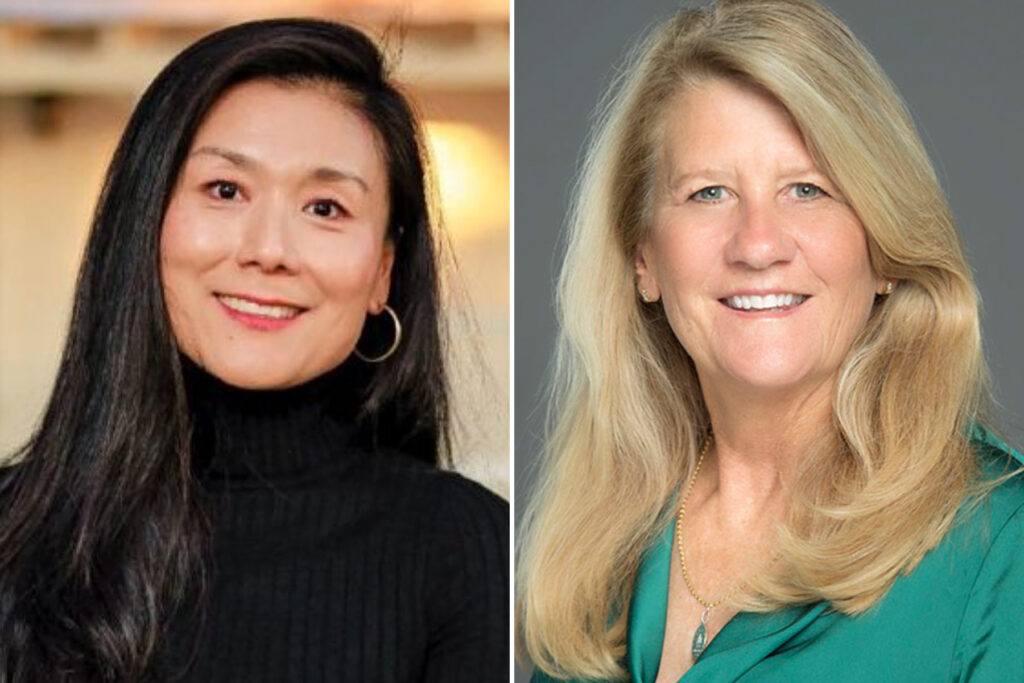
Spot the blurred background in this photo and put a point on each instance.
(70, 73)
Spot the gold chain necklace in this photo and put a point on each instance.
(700, 636)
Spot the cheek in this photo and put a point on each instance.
(842, 263)
(173, 256)
(344, 267)
(681, 262)
(848, 266)
(187, 251)
(189, 245)
(835, 243)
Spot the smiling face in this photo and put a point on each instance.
(273, 247)
(761, 265)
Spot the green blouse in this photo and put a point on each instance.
(957, 617)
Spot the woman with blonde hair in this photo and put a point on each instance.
(770, 460)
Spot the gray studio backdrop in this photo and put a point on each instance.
(959, 65)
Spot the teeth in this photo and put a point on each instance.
(768, 302)
(253, 308)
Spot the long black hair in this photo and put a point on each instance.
(101, 533)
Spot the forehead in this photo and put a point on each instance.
(289, 126)
(730, 120)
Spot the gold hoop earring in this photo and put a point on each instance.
(394, 344)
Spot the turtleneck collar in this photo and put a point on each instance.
(271, 435)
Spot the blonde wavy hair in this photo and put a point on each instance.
(883, 485)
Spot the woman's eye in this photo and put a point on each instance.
(222, 189)
(806, 191)
(709, 194)
(326, 208)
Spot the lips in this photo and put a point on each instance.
(262, 308)
(757, 303)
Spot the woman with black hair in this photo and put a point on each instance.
(235, 479)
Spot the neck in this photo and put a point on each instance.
(760, 439)
(271, 435)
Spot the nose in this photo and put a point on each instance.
(267, 240)
(759, 238)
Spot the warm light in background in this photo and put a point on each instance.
(472, 175)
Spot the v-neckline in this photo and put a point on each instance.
(649, 610)
(744, 640)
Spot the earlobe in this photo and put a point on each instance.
(646, 286)
(382, 287)
(885, 287)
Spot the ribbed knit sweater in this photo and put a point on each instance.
(330, 561)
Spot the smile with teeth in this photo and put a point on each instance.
(766, 302)
(277, 312)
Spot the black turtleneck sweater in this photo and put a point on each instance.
(330, 561)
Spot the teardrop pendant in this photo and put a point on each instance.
(699, 640)
(700, 636)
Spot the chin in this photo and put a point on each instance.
(259, 373)
(258, 380)
(768, 376)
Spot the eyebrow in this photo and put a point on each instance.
(674, 181)
(321, 173)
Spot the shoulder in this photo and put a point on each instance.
(446, 501)
(470, 528)
(1001, 478)
(461, 544)
(990, 526)
(986, 646)
(961, 587)
(993, 510)
(467, 510)
(456, 490)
